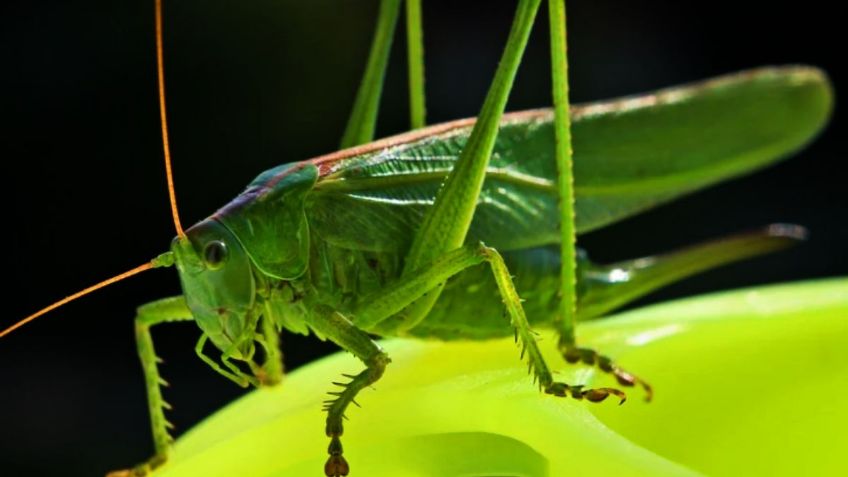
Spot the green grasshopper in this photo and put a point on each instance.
(433, 233)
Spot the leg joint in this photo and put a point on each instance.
(377, 364)
(484, 251)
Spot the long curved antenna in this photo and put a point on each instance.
(164, 260)
(160, 69)
(116, 278)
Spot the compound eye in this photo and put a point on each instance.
(215, 254)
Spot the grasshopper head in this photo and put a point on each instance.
(218, 284)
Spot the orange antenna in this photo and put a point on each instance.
(160, 68)
(147, 266)
(167, 258)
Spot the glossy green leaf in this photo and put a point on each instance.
(748, 382)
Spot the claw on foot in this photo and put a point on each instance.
(626, 379)
(573, 354)
(598, 395)
(591, 395)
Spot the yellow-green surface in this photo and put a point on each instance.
(749, 382)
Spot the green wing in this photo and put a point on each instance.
(629, 154)
(640, 152)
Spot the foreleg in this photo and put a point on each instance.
(160, 311)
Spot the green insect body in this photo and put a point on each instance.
(437, 232)
(342, 223)
(332, 233)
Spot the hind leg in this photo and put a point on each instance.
(383, 305)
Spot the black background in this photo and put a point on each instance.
(255, 84)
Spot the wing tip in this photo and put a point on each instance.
(793, 232)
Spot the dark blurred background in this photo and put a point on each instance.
(255, 84)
